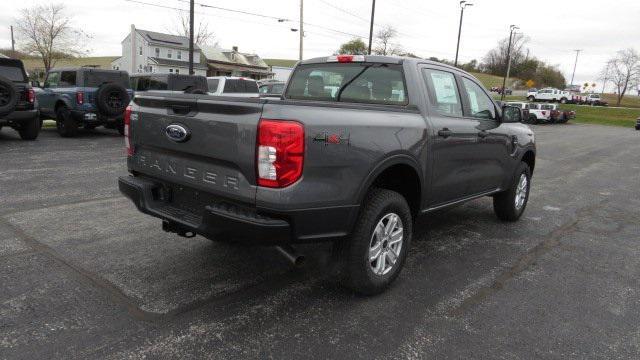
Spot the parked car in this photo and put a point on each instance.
(638, 123)
(232, 86)
(85, 97)
(191, 84)
(355, 167)
(558, 115)
(595, 100)
(535, 113)
(18, 104)
(506, 92)
(271, 89)
(549, 94)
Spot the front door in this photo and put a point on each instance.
(454, 146)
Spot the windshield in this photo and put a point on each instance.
(355, 82)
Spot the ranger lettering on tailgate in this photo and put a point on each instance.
(173, 168)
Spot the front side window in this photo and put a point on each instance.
(264, 89)
(52, 80)
(353, 82)
(443, 92)
(67, 79)
(480, 105)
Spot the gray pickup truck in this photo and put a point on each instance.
(356, 149)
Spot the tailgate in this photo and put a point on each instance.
(218, 155)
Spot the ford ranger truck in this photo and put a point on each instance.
(356, 149)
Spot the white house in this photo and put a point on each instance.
(151, 52)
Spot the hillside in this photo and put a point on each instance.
(103, 62)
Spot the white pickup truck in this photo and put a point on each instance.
(550, 94)
(536, 113)
(232, 86)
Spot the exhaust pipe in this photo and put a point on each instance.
(291, 255)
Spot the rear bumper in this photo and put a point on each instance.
(232, 222)
(19, 116)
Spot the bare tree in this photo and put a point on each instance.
(46, 31)
(624, 70)
(384, 42)
(201, 36)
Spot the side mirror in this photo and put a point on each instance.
(511, 114)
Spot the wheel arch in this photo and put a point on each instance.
(529, 157)
(382, 175)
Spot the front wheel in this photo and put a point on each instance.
(65, 124)
(510, 204)
(563, 101)
(531, 98)
(375, 254)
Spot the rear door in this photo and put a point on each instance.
(454, 147)
(218, 154)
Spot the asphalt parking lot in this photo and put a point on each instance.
(83, 274)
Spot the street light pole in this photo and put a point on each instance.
(191, 5)
(463, 4)
(574, 65)
(301, 28)
(373, 12)
(512, 28)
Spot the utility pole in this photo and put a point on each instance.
(13, 43)
(574, 65)
(373, 13)
(512, 28)
(463, 4)
(191, 5)
(301, 28)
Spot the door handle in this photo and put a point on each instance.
(483, 134)
(445, 133)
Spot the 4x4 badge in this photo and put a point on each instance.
(332, 138)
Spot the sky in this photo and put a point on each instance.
(426, 28)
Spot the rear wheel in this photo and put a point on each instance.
(30, 129)
(510, 204)
(533, 119)
(375, 254)
(531, 98)
(65, 124)
(563, 100)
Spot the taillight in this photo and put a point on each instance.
(80, 97)
(127, 131)
(31, 95)
(280, 152)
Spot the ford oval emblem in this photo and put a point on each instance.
(177, 133)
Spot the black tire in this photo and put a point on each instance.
(358, 274)
(531, 98)
(563, 101)
(112, 99)
(120, 128)
(533, 119)
(65, 123)
(504, 203)
(30, 129)
(8, 96)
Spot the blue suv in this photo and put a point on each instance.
(85, 97)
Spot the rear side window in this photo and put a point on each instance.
(52, 80)
(97, 78)
(355, 82)
(212, 84)
(240, 86)
(443, 92)
(12, 73)
(67, 79)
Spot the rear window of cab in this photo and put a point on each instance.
(369, 83)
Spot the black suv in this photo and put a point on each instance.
(192, 84)
(18, 106)
(85, 96)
